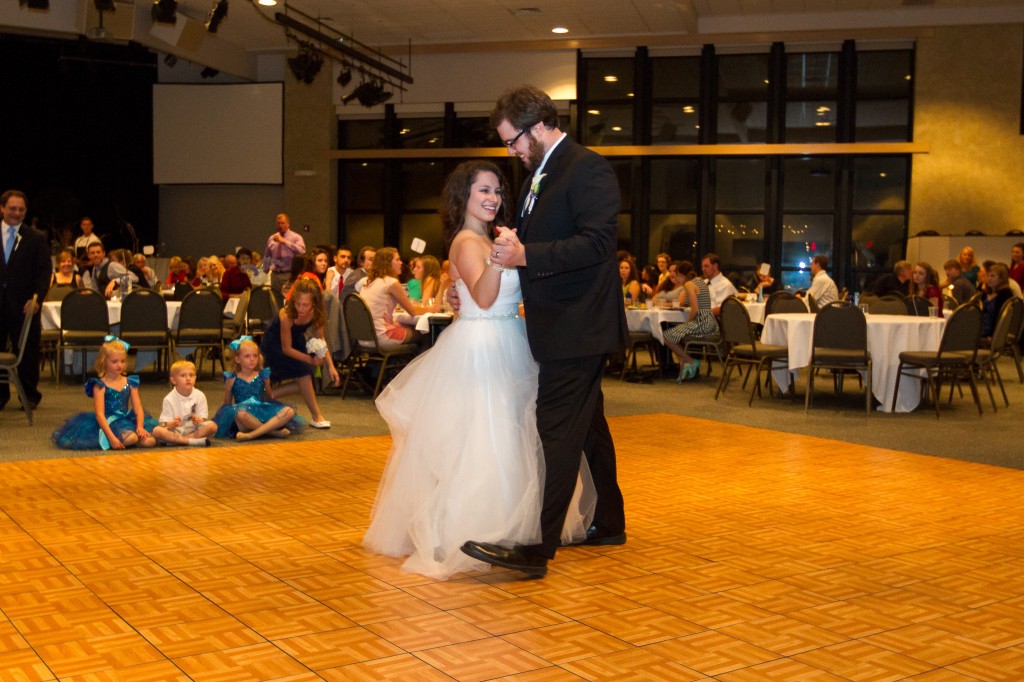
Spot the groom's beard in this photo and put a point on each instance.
(534, 156)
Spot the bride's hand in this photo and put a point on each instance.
(453, 298)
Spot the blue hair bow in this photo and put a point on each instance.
(234, 345)
(110, 337)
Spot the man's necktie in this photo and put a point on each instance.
(12, 235)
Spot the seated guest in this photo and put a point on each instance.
(356, 279)
(412, 285)
(1017, 264)
(253, 268)
(766, 284)
(177, 271)
(986, 267)
(999, 292)
(664, 262)
(719, 286)
(337, 272)
(955, 284)
(117, 269)
(96, 276)
(147, 276)
(199, 277)
(311, 266)
(700, 325)
(65, 275)
(429, 275)
(895, 282)
(382, 292)
(234, 283)
(969, 268)
(822, 288)
(672, 288)
(214, 270)
(630, 280)
(925, 283)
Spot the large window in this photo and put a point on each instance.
(812, 83)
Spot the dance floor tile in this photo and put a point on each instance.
(481, 660)
(752, 555)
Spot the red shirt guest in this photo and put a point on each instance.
(234, 282)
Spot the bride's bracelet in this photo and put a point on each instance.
(494, 266)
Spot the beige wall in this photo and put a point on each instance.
(968, 110)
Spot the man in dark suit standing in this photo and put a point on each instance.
(564, 249)
(25, 269)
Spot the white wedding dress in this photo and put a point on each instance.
(466, 461)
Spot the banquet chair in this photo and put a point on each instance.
(144, 324)
(201, 326)
(744, 348)
(812, 305)
(917, 306)
(48, 337)
(84, 322)
(867, 299)
(260, 311)
(783, 302)
(9, 363)
(709, 344)
(638, 340)
(366, 349)
(955, 358)
(889, 305)
(949, 302)
(986, 364)
(1014, 337)
(840, 343)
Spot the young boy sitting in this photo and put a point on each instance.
(185, 417)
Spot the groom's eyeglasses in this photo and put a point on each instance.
(512, 143)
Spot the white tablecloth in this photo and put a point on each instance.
(888, 336)
(650, 319)
(50, 317)
(420, 323)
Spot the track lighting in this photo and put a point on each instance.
(217, 14)
(165, 11)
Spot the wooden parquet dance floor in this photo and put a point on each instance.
(752, 555)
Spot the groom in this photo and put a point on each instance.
(564, 249)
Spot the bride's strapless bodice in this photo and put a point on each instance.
(506, 305)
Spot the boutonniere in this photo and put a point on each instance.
(535, 187)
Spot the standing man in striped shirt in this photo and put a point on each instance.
(282, 247)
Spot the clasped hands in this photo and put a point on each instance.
(507, 250)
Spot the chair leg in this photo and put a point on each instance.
(380, 377)
(999, 378)
(726, 371)
(988, 384)
(810, 390)
(896, 388)
(974, 390)
(20, 390)
(1015, 351)
(868, 395)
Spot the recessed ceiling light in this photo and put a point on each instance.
(594, 112)
(617, 129)
(688, 109)
(822, 124)
(559, 29)
(611, 79)
(882, 175)
(907, 77)
(268, 3)
(629, 94)
(823, 109)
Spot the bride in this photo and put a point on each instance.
(466, 461)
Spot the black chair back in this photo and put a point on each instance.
(261, 310)
(841, 326)
(918, 306)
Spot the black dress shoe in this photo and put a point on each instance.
(596, 538)
(506, 557)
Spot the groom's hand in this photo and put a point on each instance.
(508, 251)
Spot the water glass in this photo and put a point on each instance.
(864, 308)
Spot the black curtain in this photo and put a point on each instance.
(77, 121)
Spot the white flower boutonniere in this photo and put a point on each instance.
(535, 187)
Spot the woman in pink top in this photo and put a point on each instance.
(383, 292)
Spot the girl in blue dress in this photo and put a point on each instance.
(117, 420)
(249, 410)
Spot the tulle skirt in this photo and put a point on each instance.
(82, 431)
(263, 410)
(466, 461)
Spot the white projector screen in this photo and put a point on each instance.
(218, 134)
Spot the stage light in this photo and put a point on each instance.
(165, 11)
(209, 72)
(170, 60)
(369, 93)
(217, 14)
(345, 77)
(306, 65)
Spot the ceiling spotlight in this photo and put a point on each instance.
(165, 11)
(170, 60)
(268, 3)
(209, 72)
(369, 93)
(105, 5)
(217, 14)
(35, 4)
(306, 65)
(345, 77)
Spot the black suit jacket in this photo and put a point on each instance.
(571, 287)
(28, 271)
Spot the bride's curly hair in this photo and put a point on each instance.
(456, 193)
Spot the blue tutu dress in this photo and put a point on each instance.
(248, 396)
(83, 432)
